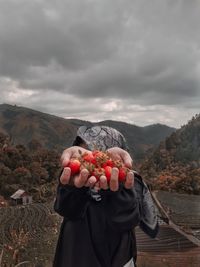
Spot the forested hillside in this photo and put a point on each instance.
(34, 169)
(175, 165)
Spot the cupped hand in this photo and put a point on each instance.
(72, 152)
(117, 153)
(81, 179)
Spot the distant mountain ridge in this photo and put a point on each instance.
(23, 125)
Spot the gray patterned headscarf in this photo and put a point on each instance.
(102, 137)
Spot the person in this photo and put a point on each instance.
(98, 223)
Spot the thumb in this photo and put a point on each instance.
(65, 157)
(127, 160)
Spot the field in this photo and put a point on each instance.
(32, 230)
(29, 233)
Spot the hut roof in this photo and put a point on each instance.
(18, 194)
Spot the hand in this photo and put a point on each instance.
(72, 152)
(117, 153)
(81, 179)
(114, 183)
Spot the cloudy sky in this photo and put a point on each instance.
(130, 60)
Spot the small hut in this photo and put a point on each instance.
(21, 197)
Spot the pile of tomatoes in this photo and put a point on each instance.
(98, 163)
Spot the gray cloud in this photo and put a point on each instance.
(88, 59)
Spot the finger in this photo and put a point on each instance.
(127, 159)
(65, 157)
(119, 153)
(129, 180)
(103, 182)
(72, 152)
(65, 176)
(91, 181)
(114, 184)
(81, 179)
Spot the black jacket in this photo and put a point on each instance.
(97, 229)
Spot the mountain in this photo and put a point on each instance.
(24, 125)
(175, 164)
(141, 140)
